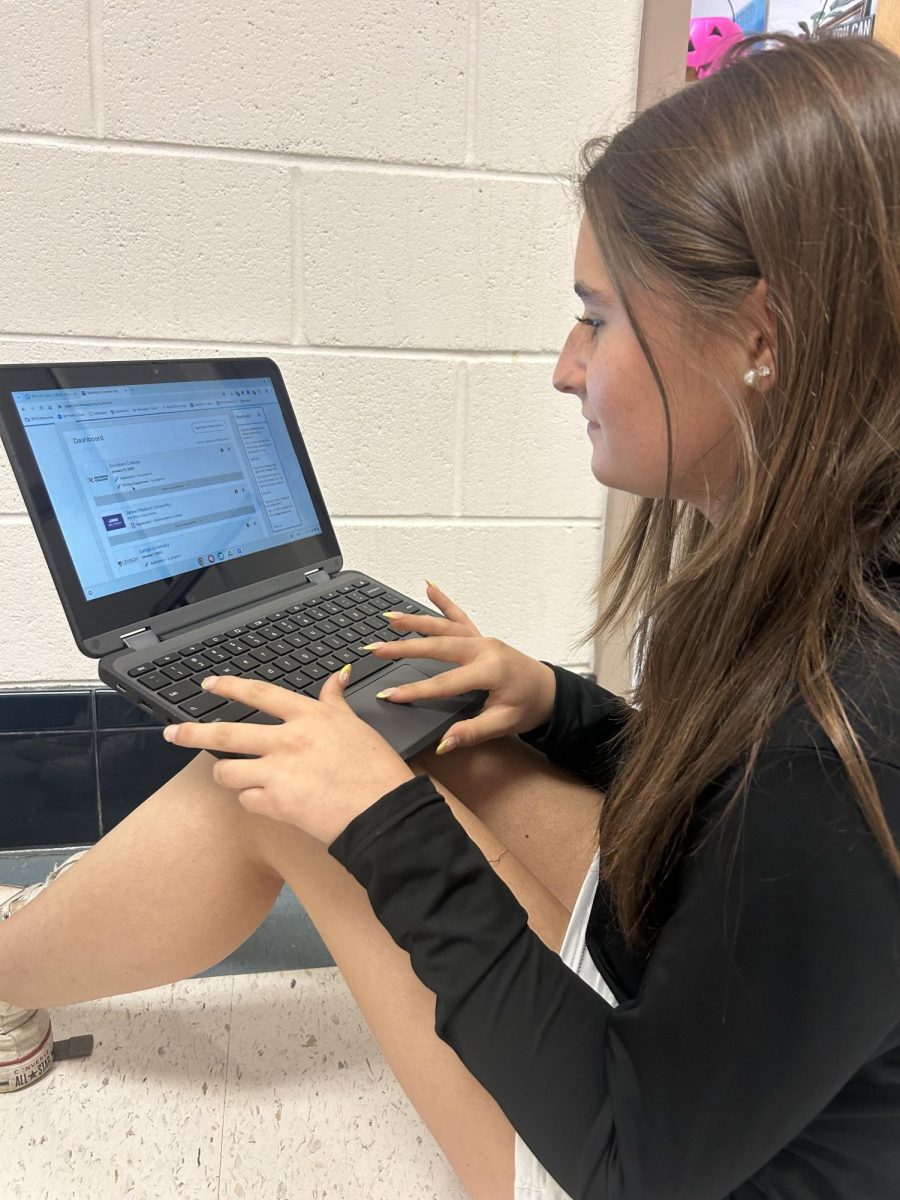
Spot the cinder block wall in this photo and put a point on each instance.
(372, 195)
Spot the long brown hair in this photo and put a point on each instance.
(783, 165)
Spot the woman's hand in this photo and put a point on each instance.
(319, 770)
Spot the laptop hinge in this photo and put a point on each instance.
(312, 576)
(139, 638)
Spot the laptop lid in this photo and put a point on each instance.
(163, 492)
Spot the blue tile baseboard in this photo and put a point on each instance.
(74, 762)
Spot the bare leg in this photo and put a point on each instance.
(189, 874)
(170, 891)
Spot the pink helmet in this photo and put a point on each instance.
(709, 38)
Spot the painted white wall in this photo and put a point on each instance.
(369, 194)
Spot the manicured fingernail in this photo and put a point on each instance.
(392, 614)
(447, 745)
(385, 693)
(373, 646)
(345, 673)
(169, 732)
(209, 681)
(431, 584)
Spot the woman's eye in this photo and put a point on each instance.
(592, 321)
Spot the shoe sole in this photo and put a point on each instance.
(19, 1073)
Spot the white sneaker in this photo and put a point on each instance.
(13, 897)
(26, 1046)
(26, 1035)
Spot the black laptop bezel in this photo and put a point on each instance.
(93, 622)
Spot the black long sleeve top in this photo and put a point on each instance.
(755, 1052)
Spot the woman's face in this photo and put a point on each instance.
(605, 367)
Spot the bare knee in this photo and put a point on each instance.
(476, 772)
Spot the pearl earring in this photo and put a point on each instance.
(752, 377)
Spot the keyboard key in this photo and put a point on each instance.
(176, 671)
(232, 711)
(214, 640)
(175, 693)
(287, 663)
(196, 662)
(364, 667)
(141, 670)
(201, 704)
(155, 680)
(299, 680)
(303, 656)
(262, 655)
(216, 656)
(167, 658)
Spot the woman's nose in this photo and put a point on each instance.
(569, 373)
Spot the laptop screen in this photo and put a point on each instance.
(150, 480)
(157, 485)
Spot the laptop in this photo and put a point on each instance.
(177, 508)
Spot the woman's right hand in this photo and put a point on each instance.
(522, 689)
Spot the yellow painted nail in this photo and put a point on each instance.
(373, 646)
(345, 673)
(385, 693)
(431, 583)
(446, 745)
(392, 614)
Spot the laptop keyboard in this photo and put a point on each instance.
(296, 647)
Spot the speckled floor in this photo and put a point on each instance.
(250, 1081)
(255, 1086)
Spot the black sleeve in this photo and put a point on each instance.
(768, 987)
(585, 717)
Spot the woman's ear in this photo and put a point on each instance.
(761, 325)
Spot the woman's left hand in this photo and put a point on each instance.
(319, 770)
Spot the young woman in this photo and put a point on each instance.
(660, 960)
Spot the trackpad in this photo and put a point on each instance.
(401, 724)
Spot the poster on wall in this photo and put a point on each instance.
(716, 24)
